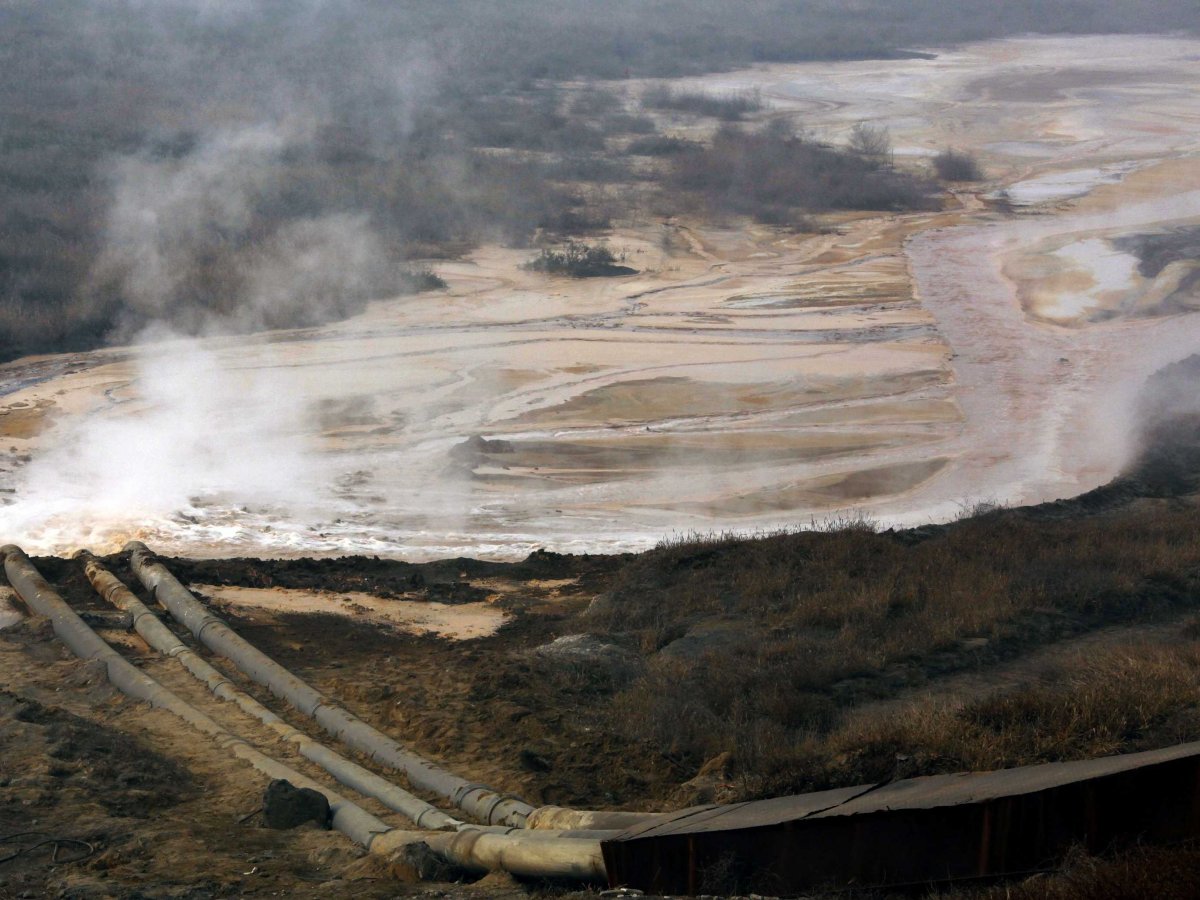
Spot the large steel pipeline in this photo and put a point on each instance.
(534, 854)
(559, 818)
(476, 800)
(157, 635)
(348, 818)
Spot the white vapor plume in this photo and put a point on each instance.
(192, 429)
(201, 433)
(166, 213)
(310, 270)
(207, 235)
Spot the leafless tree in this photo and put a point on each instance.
(872, 142)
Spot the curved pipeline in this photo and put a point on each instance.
(529, 853)
(477, 800)
(348, 818)
(559, 818)
(349, 773)
(481, 849)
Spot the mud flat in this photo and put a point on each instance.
(1053, 319)
(745, 378)
(459, 621)
(513, 411)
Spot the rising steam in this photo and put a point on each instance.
(188, 431)
(188, 245)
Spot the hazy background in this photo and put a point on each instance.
(225, 166)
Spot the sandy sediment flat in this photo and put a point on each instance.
(744, 378)
(457, 621)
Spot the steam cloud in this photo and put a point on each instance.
(201, 433)
(194, 244)
(174, 222)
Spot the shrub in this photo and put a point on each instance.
(659, 145)
(726, 107)
(953, 165)
(872, 143)
(579, 260)
(773, 176)
(416, 280)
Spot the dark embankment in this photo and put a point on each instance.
(721, 668)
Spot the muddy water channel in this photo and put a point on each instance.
(1049, 410)
(745, 378)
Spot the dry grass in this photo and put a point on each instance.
(1122, 700)
(788, 631)
(1143, 872)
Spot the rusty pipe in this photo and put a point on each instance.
(476, 800)
(480, 849)
(162, 639)
(348, 818)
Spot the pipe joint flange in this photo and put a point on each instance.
(312, 714)
(495, 802)
(209, 620)
(138, 616)
(460, 795)
(420, 819)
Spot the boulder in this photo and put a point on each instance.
(713, 784)
(589, 651)
(416, 862)
(706, 638)
(287, 806)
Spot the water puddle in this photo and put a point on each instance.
(1111, 272)
(1056, 186)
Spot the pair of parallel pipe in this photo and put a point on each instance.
(545, 853)
(348, 817)
(475, 800)
(349, 773)
(480, 849)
